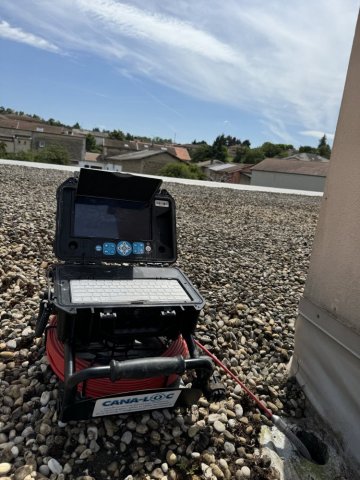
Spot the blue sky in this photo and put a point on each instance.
(184, 69)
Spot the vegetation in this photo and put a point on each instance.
(51, 154)
(219, 150)
(182, 170)
(2, 149)
(90, 144)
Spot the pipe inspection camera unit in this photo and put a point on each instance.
(118, 320)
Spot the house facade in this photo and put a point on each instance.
(22, 136)
(149, 162)
(298, 172)
(218, 171)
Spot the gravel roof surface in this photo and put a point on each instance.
(247, 253)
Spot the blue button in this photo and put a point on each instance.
(109, 248)
(138, 248)
(124, 248)
(98, 248)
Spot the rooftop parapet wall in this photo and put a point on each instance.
(327, 356)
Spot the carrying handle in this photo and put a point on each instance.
(147, 368)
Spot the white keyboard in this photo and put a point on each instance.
(126, 291)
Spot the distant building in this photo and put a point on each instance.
(149, 162)
(112, 146)
(218, 171)
(24, 135)
(302, 171)
(95, 161)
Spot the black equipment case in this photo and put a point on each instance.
(114, 226)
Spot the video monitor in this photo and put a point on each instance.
(96, 217)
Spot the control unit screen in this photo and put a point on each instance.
(111, 218)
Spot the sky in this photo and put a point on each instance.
(254, 69)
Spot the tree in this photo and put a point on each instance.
(117, 135)
(202, 153)
(307, 149)
(76, 125)
(323, 148)
(53, 154)
(2, 149)
(231, 141)
(254, 155)
(241, 153)
(276, 149)
(219, 149)
(181, 170)
(90, 143)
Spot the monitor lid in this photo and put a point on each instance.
(122, 186)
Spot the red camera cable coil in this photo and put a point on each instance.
(102, 387)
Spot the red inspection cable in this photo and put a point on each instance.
(97, 388)
(268, 412)
(277, 421)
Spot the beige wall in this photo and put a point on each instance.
(149, 166)
(327, 346)
(74, 145)
(334, 275)
(312, 183)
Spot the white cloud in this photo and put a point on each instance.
(317, 134)
(18, 35)
(284, 62)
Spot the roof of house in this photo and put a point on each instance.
(138, 155)
(92, 156)
(300, 164)
(17, 124)
(208, 163)
(179, 152)
(230, 167)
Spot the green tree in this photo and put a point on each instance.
(90, 143)
(195, 170)
(219, 149)
(181, 170)
(241, 153)
(254, 155)
(324, 148)
(276, 149)
(231, 141)
(202, 153)
(307, 149)
(53, 154)
(2, 149)
(76, 125)
(117, 135)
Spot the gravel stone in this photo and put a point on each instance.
(219, 426)
(127, 437)
(5, 468)
(54, 466)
